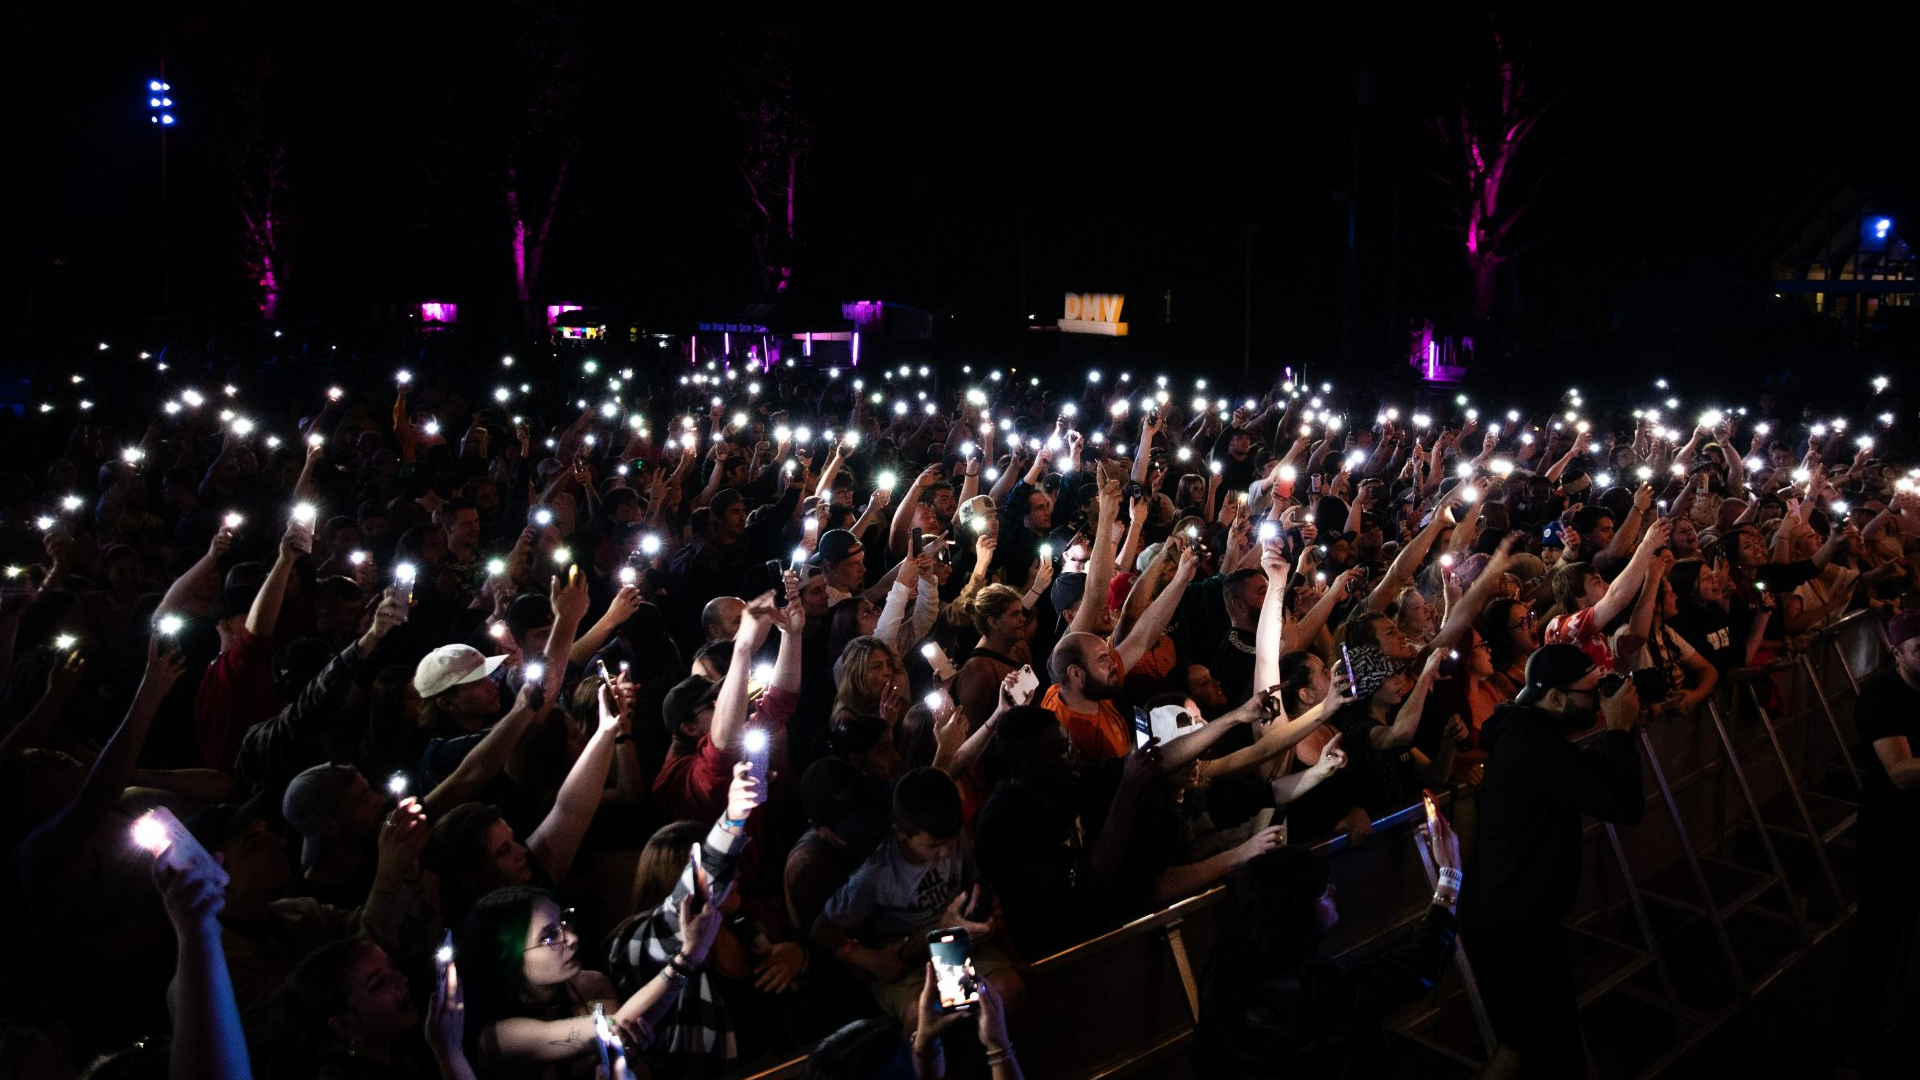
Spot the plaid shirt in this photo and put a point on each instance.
(695, 1036)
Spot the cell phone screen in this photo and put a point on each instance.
(953, 974)
(1433, 809)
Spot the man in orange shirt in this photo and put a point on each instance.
(1088, 670)
(1086, 678)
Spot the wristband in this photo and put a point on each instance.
(1450, 877)
(736, 824)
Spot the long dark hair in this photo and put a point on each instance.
(492, 951)
(1493, 630)
(1272, 921)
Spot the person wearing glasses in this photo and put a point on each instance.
(1511, 634)
(529, 1002)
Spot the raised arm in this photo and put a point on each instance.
(1100, 561)
(1159, 613)
(730, 706)
(1407, 720)
(1269, 635)
(1625, 588)
(51, 847)
(1478, 597)
(488, 756)
(1401, 572)
(193, 592)
(264, 615)
(556, 840)
(619, 610)
(1302, 631)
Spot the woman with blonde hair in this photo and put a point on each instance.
(870, 681)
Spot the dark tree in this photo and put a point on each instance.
(1488, 195)
(775, 133)
(256, 164)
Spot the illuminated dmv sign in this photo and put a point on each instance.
(1094, 313)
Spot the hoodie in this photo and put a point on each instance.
(1538, 784)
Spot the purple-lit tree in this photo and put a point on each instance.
(256, 165)
(1488, 197)
(775, 135)
(259, 189)
(542, 140)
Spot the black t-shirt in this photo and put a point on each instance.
(1888, 708)
(1380, 780)
(1710, 631)
(1233, 666)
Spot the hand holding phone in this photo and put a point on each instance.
(1025, 684)
(957, 987)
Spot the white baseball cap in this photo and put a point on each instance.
(1169, 722)
(452, 665)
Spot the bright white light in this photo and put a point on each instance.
(150, 834)
(70, 503)
(304, 513)
(562, 557)
(233, 520)
(403, 376)
(65, 642)
(754, 740)
(887, 480)
(650, 544)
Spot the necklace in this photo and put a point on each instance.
(1233, 638)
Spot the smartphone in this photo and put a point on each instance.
(919, 541)
(609, 1040)
(602, 666)
(754, 747)
(779, 575)
(1027, 682)
(1347, 659)
(1433, 809)
(937, 657)
(953, 976)
(444, 955)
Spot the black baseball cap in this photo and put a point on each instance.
(1553, 667)
(685, 699)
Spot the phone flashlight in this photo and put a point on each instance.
(628, 575)
(150, 833)
(534, 672)
(1268, 530)
(233, 521)
(169, 625)
(496, 567)
(609, 1040)
(754, 745)
(1046, 553)
(397, 785)
(650, 545)
(305, 513)
(562, 557)
(358, 558)
(543, 517)
(444, 954)
(65, 642)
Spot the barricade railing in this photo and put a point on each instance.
(1124, 1003)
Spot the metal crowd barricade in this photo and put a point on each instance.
(1124, 1003)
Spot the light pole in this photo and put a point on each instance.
(160, 114)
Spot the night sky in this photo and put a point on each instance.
(974, 165)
